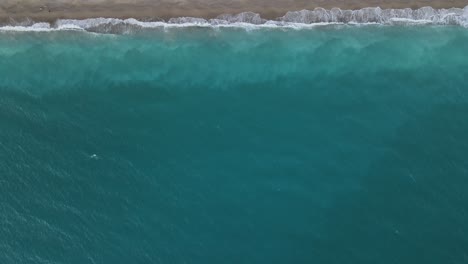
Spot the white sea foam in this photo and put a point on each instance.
(249, 20)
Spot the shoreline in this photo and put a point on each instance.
(147, 10)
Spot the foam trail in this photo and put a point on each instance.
(250, 20)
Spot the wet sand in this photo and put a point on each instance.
(50, 10)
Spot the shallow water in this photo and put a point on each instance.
(195, 145)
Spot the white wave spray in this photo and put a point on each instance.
(250, 20)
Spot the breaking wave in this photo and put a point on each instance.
(250, 20)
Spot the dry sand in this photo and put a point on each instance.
(50, 10)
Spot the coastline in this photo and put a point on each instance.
(147, 10)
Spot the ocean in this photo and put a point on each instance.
(330, 144)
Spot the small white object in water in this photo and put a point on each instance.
(412, 177)
(94, 156)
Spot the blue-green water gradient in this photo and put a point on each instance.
(196, 145)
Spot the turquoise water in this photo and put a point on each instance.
(196, 145)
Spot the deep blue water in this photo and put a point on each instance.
(327, 145)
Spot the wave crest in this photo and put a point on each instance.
(293, 19)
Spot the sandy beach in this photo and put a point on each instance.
(47, 10)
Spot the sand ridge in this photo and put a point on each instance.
(51, 10)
